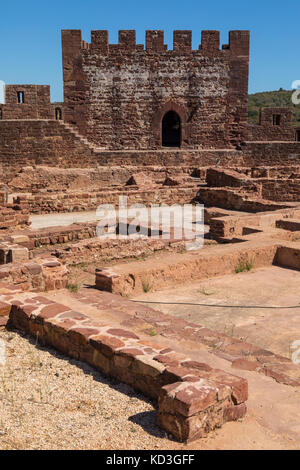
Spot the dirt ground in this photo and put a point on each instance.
(272, 329)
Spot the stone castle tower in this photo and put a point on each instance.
(127, 96)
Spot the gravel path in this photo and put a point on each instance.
(48, 401)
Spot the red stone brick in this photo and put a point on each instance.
(107, 345)
(196, 365)
(131, 352)
(235, 412)
(52, 310)
(239, 386)
(122, 333)
(243, 364)
(80, 335)
(4, 309)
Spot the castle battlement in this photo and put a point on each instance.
(238, 43)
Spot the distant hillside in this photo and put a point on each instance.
(269, 99)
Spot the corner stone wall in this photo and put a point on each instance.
(193, 398)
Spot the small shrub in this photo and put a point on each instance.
(249, 265)
(147, 286)
(240, 267)
(152, 332)
(82, 264)
(73, 287)
(205, 292)
(244, 265)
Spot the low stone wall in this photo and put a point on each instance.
(216, 177)
(193, 398)
(224, 225)
(12, 219)
(281, 189)
(107, 250)
(133, 278)
(271, 154)
(293, 225)
(44, 203)
(40, 178)
(37, 275)
(288, 256)
(56, 235)
(231, 199)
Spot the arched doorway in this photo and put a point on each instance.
(171, 130)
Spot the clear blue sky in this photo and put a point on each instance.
(30, 33)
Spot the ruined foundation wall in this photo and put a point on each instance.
(281, 190)
(44, 203)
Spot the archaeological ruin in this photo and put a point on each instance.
(155, 126)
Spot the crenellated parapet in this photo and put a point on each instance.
(182, 42)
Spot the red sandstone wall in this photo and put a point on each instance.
(117, 94)
(267, 131)
(36, 103)
(44, 203)
(24, 143)
(281, 190)
(272, 153)
(216, 177)
(50, 143)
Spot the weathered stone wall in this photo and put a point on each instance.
(231, 199)
(50, 143)
(35, 105)
(117, 94)
(216, 177)
(37, 275)
(200, 398)
(281, 189)
(38, 142)
(43, 203)
(275, 124)
(271, 153)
